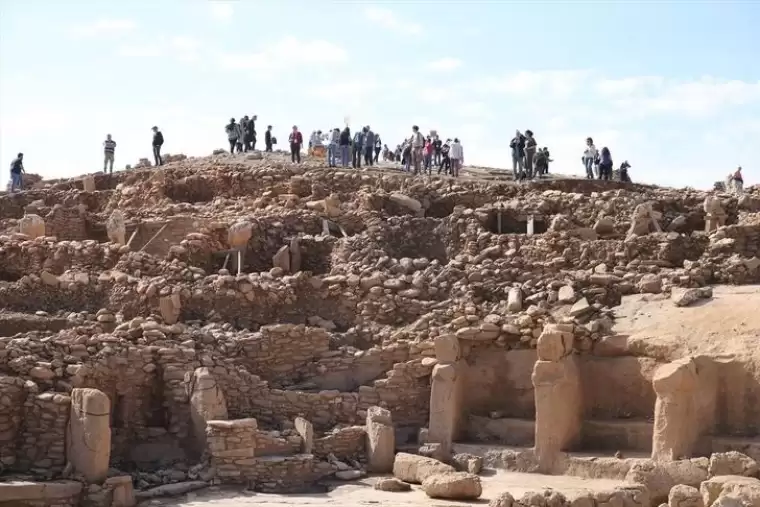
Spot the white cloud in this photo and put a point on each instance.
(289, 53)
(435, 95)
(221, 10)
(445, 64)
(140, 50)
(388, 19)
(105, 27)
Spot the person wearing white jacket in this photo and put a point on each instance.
(456, 154)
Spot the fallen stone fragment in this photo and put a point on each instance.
(392, 484)
(454, 486)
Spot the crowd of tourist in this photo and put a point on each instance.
(417, 154)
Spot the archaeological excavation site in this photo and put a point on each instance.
(236, 330)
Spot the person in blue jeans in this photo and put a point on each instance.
(345, 146)
(332, 148)
(17, 169)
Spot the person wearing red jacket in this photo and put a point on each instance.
(296, 141)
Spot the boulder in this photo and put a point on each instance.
(392, 484)
(685, 297)
(503, 500)
(605, 225)
(735, 487)
(566, 295)
(453, 486)
(732, 463)
(464, 462)
(650, 284)
(685, 496)
(406, 201)
(415, 469)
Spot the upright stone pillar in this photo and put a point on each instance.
(32, 225)
(206, 403)
(446, 392)
(559, 403)
(676, 412)
(381, 440)
(116, 228)
(88, 183)
(88, 446)
(237, 237)
(715, 215)
(170, 308)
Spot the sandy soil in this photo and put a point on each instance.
(362, 493)
(728, 324)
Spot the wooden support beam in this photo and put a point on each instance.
(154, 237)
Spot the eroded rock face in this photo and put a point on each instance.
(88, 446)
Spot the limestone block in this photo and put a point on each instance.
(447, 348)
(88, 182)
(685, 496)
(566, 295)
(659, 478)
(514, 300)
(464, 462)
(559, 407)
(88, 446)
(605, 225)
(732, 463)
(282, 259)
(553, 344)
(381, 440)
(170, 307)
(729, 485)
(123, 491)
(392, 484)
(332, 205)
(404, 200)
(206, 403)
(455, 486)
(239, 233)
(306, 430)
(415, 469)
(32, 225)
(676, 427)
(116, 228)
(504, 500)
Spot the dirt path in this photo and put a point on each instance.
(362, 493)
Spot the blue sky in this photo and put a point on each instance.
(669, 86)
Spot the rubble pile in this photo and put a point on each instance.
(242, 320)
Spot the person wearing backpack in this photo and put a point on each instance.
(268, 139)
(296, 141)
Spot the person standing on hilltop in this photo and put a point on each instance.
(344, 142)
(530, 153)
(245, 125)
(378, 148)
(589, 156)
(437, 147)
(738, 181)
(233, 134)
(251, 125)
(456, 155)
(158, 142)
(296, 141)
(358, 145)
(517, 145)
(268, 139)
(17, 169)
(417, 143)
(369, 146)
(109, 147)
(332, 148)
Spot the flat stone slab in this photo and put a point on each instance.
(26, 490)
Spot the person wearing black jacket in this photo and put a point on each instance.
(267, 139)
(517, 145)
(437, 146)
(251, 125)
(158, 141)
(345, 146)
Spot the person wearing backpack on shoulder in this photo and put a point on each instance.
(296, 141)
(269, 141)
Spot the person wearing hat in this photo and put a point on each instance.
(17, 169)
(158, 141)
(233, 134)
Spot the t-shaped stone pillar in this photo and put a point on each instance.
(206, 403)
(676, 418)
(88, 443)
(446, 392)
(557, 390)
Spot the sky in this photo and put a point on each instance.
(669, 86)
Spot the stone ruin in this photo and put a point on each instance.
(247, 322)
